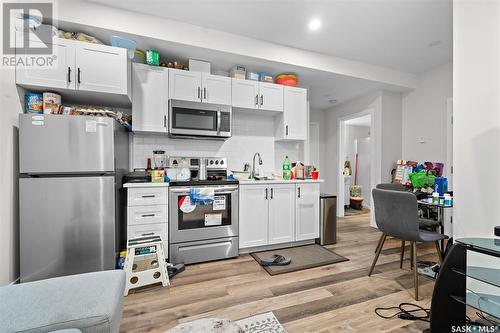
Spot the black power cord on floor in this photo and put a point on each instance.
(406, 311)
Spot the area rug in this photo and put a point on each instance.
(303, 257)
(262, 323)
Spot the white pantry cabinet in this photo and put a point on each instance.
(149, 98)
(199, 87)
(257, 95)
(292, 124)
(253, 215)
(307, 211)
(81, 66)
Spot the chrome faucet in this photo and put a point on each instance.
(253, 166)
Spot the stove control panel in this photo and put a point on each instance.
(216, 163)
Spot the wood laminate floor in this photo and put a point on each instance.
(334, 298)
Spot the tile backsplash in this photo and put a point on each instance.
(251, 133)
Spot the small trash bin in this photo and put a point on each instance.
(328, 219)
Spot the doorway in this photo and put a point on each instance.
(356, 163)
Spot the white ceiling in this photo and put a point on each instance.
(389, 33)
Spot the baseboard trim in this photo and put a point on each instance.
(16, 281)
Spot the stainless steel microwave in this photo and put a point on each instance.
(196, 119)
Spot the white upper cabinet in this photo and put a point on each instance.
(199, 87)
(270, 96)
(184, 85)
(216, 89)
(81, 66)
(245, 94)
(149, 98)
(250, 94)
(101, 68)
(292, 125)
(253, 216)
(62, 75)
(281, 213)
(307, 211)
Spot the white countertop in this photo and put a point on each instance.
(130, 185)
(242, 182)
(280, 181)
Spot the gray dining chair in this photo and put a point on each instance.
(425, 224)
(396, 215)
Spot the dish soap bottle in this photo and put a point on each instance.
(286, 168)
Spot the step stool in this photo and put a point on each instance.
(145, 263)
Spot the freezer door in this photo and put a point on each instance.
(65, 144)
(67, 226)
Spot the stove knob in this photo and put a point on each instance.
(221, 162)
(211, 162)
(217, 162)
(174, 162)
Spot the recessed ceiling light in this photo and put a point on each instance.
(314, 24)
(434, 43)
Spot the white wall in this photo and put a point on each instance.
(9, 217)
(424, 114)
(476, 137)
(354, 133)
(392, 134)
(251, 133)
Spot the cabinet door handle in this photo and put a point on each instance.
(165, 121)
(148, 215)
(79, 80)
(298, 191)
(69, 74)
(204, 93)
(261, 100)
(199, 92)
(266, 193)
(256, 99)
(148, 196)
(272, 193)
(286, 130)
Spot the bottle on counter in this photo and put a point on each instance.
(286, 169)
(148, 166)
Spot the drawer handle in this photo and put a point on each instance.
(148, 196)
(148, 234)
(148, 215)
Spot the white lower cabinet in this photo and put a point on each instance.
(254, 215)
(307, 211)
(281, 213)
(275, 213)
(147, 213)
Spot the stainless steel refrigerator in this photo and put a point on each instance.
(69, 194)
